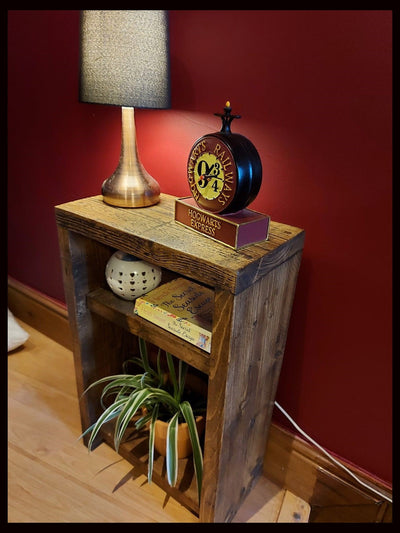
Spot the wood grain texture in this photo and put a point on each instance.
(153, 234)
(99, 348)
(289, 461)
(333, 495)
(293, 509)
(51, 476)
(253, 288)
(243, 387)
(105, 303)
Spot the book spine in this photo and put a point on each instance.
(235, 230)
(205, 223)
(184, 329)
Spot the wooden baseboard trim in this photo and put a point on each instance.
(290, 461)
(39, 311)
(334, 496)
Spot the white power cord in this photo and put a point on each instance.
(338, 463)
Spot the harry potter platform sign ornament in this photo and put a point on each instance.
(224, 169)
(224, 174)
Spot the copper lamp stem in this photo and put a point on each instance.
(130, 185)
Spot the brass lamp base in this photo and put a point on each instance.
(130, 185)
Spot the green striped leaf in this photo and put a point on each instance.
(172, 374)
(190, 419)
(102, 380)
(144, 355)
(106, 416)
(172, 450)
(135, 401)
(183, 368)
(151, 443)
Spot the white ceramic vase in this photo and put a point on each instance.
(129, 277)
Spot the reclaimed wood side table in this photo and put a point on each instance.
(254, 290)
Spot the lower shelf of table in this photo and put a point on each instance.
(120, 312)
(135, 450)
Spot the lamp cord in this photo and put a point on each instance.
(338, 463)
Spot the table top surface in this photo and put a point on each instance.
(153, 234)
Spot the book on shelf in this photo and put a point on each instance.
(181, 307)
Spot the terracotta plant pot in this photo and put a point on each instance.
(184, 444)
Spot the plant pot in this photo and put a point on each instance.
(184, 444)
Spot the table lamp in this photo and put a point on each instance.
(125, 61)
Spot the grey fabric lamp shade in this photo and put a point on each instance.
(125, 58)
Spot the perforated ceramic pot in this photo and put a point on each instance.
(130, 277)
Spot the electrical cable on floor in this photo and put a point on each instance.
(338, 463)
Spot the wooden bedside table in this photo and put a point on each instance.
(254, 289)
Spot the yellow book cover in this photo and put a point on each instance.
(183, 308)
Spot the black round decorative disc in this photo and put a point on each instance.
(224, 169)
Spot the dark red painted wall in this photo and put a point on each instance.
(314, 92)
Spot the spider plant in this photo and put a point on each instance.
(148, 393)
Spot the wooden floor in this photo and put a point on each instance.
(51, 476)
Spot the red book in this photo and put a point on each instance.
(235, 230)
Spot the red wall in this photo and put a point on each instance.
(314, 92)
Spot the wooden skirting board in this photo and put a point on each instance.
(48, 316)
(290, 461)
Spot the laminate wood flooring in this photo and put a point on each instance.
(52, 478)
